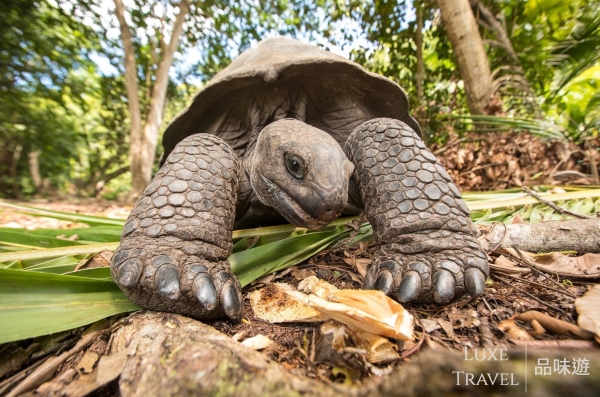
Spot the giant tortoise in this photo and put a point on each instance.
(290, 131)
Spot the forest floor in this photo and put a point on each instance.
(486, 321)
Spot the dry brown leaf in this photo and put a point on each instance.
(301, 274)
(429, 325)
(588, 308)
(584, 266)
(513, 331)
(505, 265)
(448, 329)
(464, 320)
(360, 264)
(258, 342)
(101, 259)
(554, 325)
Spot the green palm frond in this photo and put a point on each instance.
(577, 53)
(482, 123)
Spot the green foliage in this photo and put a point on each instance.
(40, 47)
(55, 102)
(42, 292)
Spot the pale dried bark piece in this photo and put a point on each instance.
(370, 311)
(588, 308)
(273, 305)
(110, 367)
(258, 342)
(87, 362)
(378, 348)
(314, 285)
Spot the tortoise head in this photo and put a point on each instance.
(302, 172)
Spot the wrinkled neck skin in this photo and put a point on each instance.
(298, 170)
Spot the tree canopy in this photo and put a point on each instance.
(66, 119)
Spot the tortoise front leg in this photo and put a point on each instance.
(175, 244)
(428, 250)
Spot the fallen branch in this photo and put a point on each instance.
(180, 356)
(578, 235)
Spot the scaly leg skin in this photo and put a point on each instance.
(175, 244)
(428, 250)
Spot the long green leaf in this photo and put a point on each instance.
(65, 216)
(34, 304)
(257, 262)
(24, 239)
(54, 252)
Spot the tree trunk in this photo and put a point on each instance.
(420, 74)
(143, 172)
(34, 169)
(131, 83)
(13, 170)
(467, 44)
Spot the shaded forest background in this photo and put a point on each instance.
(87, 86)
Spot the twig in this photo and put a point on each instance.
(541, 285)
(479, 167)
(449, 145)
(554, 206)
(558, 309)
(406, 353)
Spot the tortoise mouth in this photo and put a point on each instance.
(289, 208)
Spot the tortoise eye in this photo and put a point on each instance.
(295, 165)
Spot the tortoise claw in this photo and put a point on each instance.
(167, 281)
(474, 281)
(384, 282)
(444, 286)
(231, 300)
(205, 292)
(129, 273)
(410, 287)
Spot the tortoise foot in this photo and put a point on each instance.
(165, 278)
(428, 244)
(433, 266)
(175, 244)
